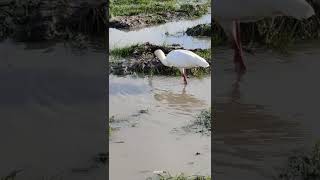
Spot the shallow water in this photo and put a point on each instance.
(156, 140)
(268, 114)
(52, 107)
(168, 33)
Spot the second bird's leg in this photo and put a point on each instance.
(238, 54)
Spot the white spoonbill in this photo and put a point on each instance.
(182, 59)
(229, 14)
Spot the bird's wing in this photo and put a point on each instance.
(185, 59)
(252, 10)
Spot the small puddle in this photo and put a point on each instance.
(168, 33)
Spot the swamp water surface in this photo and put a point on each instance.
(150, 113)
(267, 115)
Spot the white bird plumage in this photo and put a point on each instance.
(182, 59)
(229, 13)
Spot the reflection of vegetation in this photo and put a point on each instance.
(141, 59)
(303, 166)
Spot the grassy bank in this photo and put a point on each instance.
(130, 7)
(200, 30)
(278, 33)
(127, 14)
(140, 58)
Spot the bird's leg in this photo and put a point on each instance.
(238, 54)
(184, 76)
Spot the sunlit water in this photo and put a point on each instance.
(156, 140)
(169, 33)
(267, 115)
(52, 111)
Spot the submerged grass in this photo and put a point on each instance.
(201, 124)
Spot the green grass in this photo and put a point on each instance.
(125, 51)
(131, 7)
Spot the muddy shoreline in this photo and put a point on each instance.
(141, 59)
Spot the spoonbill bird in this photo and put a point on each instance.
(229, 14)
(182, 59)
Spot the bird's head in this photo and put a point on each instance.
(162, 57)
(158, 52)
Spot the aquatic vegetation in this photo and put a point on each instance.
(201, 124)
(303, 166)
(204, 120)
(140, 58)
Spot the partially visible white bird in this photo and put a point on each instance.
(229, 14)
(182, 59)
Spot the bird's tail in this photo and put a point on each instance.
(204, 64)
(299, 9)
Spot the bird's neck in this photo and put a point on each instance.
(162, 57)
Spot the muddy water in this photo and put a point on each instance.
(267, 114)
(52, 111)
(169, 33)
(155, 139)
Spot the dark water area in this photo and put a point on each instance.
(266, 115)
(52, 106)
